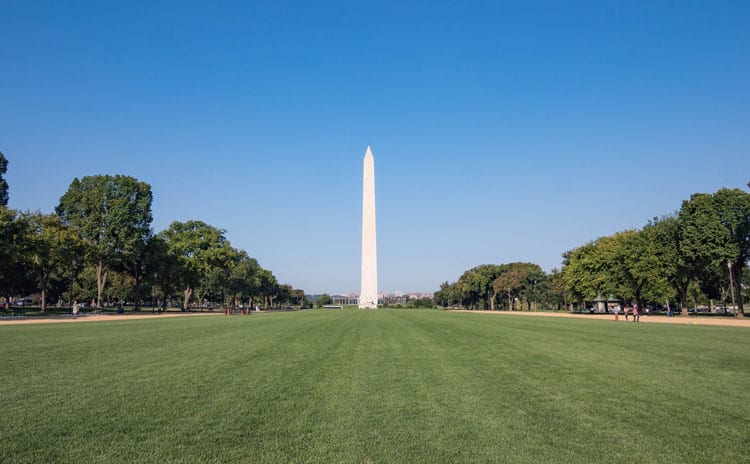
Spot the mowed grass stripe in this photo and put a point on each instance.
(373, 386)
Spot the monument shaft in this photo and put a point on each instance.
(368, 295)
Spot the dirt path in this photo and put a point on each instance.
(67, 318)
(695, 320)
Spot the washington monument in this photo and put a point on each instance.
(368, 295)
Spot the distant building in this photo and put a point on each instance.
(345, 299)
(390, 298)
(395, 299)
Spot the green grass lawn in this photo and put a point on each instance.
(374, 386)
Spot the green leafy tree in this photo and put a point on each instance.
(164, 271)
(586, 272)
(218, 279)
(425, 302)
(243, 279)
(267, 287)
(112, 215)
(510, 283)
(535, 284)
(556, 294)
(447, 295)
(198, 247)
(284, 294)
(121, 286)
(485, 276)
(715, 230)
(322, 300)
(52, 250)
(704, 242)
(664, 234)
(630, 264)
(733, 206)
(475, 286)
(469, 289)
(638, 268)
(298, 298)
(15, 276)
(84, 285)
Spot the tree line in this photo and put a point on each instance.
(98, 246)
(511, 286)
(695, 255)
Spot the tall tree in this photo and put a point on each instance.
(217, 280)
(664, 235)
(514, 280)
(708, 239)
(243, 279)
(475, 285)
(267, 287)
(3, 183)
(486, 274)
(164, 271)
(14, 276)
(556, 294)
(586, 271)
(638, 267)
(535, 283)
(112, 215)
(53, 247)
(197, 245)
(298, 297)
(284, 294)
(733, 206)
(446, 296)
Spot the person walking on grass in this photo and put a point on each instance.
(617, 313)
(636, 316)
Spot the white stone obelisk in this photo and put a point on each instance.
(368, 295)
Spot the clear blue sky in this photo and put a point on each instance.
(501, 131)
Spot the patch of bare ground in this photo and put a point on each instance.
(695, 320)
(67, 318)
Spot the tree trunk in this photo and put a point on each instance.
(492, 301)
(187, 293)
(44, 301)
(137, 293)
(101, 280)
(737, 271)
(682, 292)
